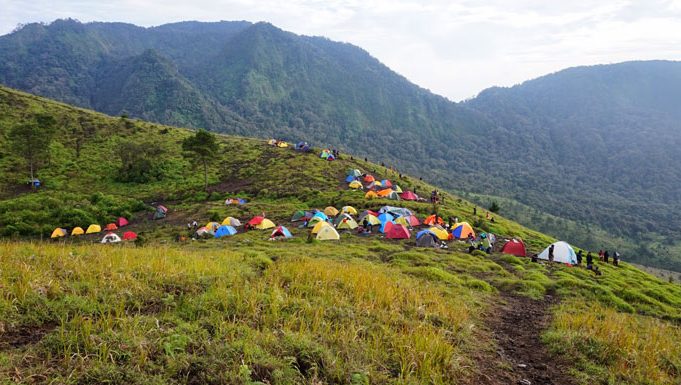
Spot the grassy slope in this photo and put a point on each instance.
(244, 309)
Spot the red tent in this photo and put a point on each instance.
(514, 247)
(256, 220)
(412, 220)
(431, 220)
(120, 222)
(368, 179)
(111, 227)
(398, 232)
(129, 236)
(409, 196)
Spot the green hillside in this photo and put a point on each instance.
(246, 310)
(602, 136)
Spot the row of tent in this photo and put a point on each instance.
(377, 189)
(92, 229)
(108, 238)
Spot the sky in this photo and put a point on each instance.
(454, 48)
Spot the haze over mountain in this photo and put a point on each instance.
(596, 145)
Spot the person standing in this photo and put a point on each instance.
(616, 259)
(606, 256)
(579, 257)
(551, 253)
(475, 210)
(589, 261)
(600, 254)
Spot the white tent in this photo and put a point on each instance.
(562, 252)
(111, 238)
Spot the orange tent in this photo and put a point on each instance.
(385, 192)
(111, 227)
(431, 221)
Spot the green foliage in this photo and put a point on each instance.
(494, 207)
(141, 162)
(201, 147)
(31, 141)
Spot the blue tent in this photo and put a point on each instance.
(424, 232)
(350, 178)
(321, 214)
(385, 217)
(225, 231)
(382, 228)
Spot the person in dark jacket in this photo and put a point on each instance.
(616, 258)
(589, 261)
(606, 256)
(579, 257)
(551, 253)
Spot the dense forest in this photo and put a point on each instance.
(593, 146)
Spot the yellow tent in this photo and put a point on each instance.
(347, 223)
(402, 221)
(372, 220)
(349, 210)
(212, 226)
(355, 184)
(371, 195)
(58, 233)
(77, 231)
(320, 225)
(265, 224)
(282, 144)
(331, 211)
(397, 189)
(231, 221)
(92, 229)
(328, 233)
(440, 233)
(272, 142)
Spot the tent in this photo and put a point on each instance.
(319, 226)
(328, 233)
(282, 144)
(272, 142)
(347, 223)
(58, 233)
(354, 173)
(120, 222)
(331, 157)
(331, 211)
(393, 196)
(374, 185)
(370, 195)
(430, 220)
(369, 178)
(385, 193)
(386, 217)
(201, 232)
(302, 146)
(255, 221)
(129, 236)
(409, 221)
(355, 185)
(440, 233)
(395, 211)
(313, 222)
(372, 220)
(397, 189)
(231, 221)
(212, 226)
(93, 229)
(365, 213)
(350, 178)
(462, 230)
(281, 231)
(161, 212)
(349, 210)
(386, 183)
(111, 227)
(111, 238)
(562, 252)
(398, 231)
(299, 215)
(427, 239)
(340, 218)
(265, 224)
(77, 231)
(225, 231)
(325, 154)
(320, 214)
(409, 196)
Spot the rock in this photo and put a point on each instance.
(522, 366)
(525, 381)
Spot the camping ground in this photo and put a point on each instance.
(243, 309)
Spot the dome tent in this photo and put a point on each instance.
(562, 252)
(514, 247)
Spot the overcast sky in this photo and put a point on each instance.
(454, 48)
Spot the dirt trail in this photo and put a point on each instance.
(521, 358)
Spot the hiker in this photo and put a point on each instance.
(616, 259)
(551, 253)
(606, 256)
(579, 257)
(589, 261)
(456, 220)
(475, 210)
(471, 248)
(597, 271)
(471, 239)
(600, 254)
(492, 220)
(449, 222)
(365, 159)
(415, 191)
(535, 257)
(487, 215)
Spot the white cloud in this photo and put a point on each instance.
(454, 48)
